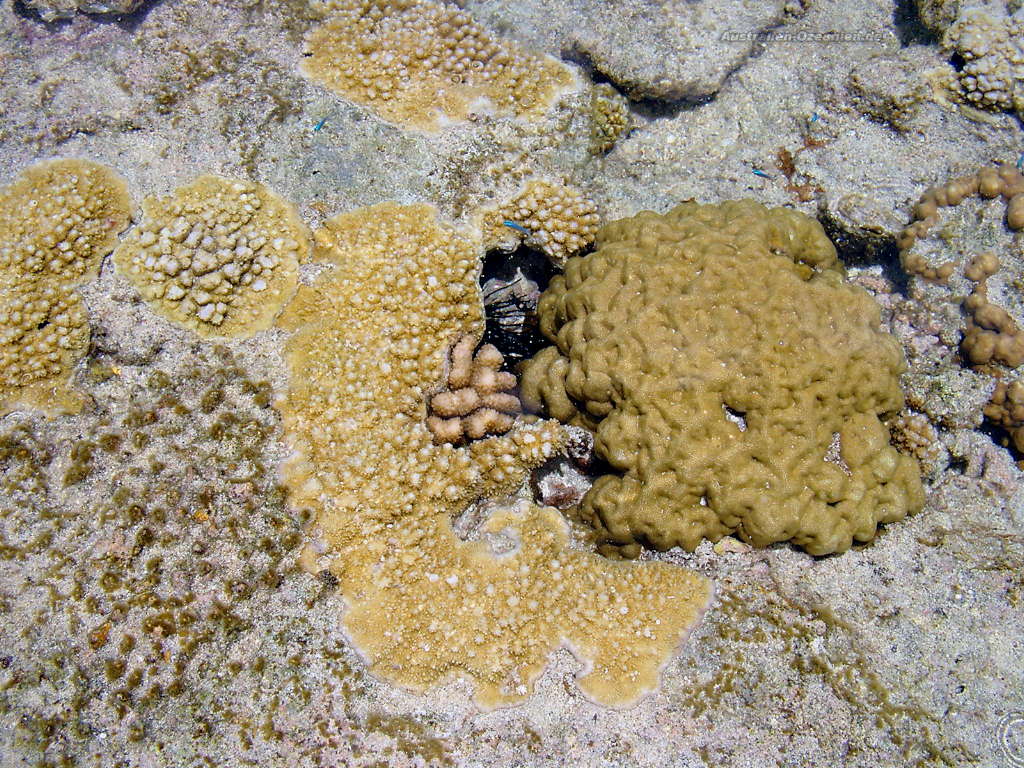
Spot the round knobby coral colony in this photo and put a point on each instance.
(990, 46)
(556, 219)
(371, 340)
(219, 256)
(57, 222)
(417, 62)
(733, 380)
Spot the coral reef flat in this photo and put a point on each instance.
(272, 236)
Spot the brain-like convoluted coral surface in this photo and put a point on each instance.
(57, 222)
(219, 256)
(418, 62)
(734, 381)
(370, 342)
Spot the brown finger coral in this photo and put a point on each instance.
(219, 257)
(370, 340)
(478, 400)
(733, 380)
(420, 62)
(57, 222)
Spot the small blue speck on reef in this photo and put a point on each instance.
(319, 125)
(517, 227)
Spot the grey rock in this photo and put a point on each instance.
(650, 49)
(51, 10)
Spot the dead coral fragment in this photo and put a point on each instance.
(219, 257)
(478, 400)
(731, 376)
(370, 339)
(57, 222)
(553, 218)
(418, 62)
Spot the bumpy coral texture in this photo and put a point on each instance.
(556, 219)
(610, 118)
(991, 46)
(732, 378)
(219, 257)
(370, 340)
(992, 335)
(57, 222)
(419, 63)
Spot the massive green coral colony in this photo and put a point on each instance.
(735, 383)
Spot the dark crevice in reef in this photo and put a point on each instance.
(510, 308)
(908, 26)
(648, 108)
(126, 21)
(866, 250)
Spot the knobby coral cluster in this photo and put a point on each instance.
(371, 336)
(57, 222)
(419, 62)
(990, 46)
(479, 397)
(555, 219)
(733, 380)
(993, 341)
(219, 256)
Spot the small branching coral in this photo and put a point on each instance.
(553, 218)
(731, 376)
(478, 399)
(370, 340)
(57, 222)
(420, 62)
(219, 257)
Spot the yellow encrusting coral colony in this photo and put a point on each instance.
(57, 222)
(731, 376)
(419, 62)
(556, 219)
(370, 341)
(219, 257)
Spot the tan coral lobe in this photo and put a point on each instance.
(559, 220)
(732, 378)
(219, 256)
(57, 222)
(420, 62)
(370, 340)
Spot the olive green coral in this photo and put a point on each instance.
(57, 222)
(219, 256)
(732, 378)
